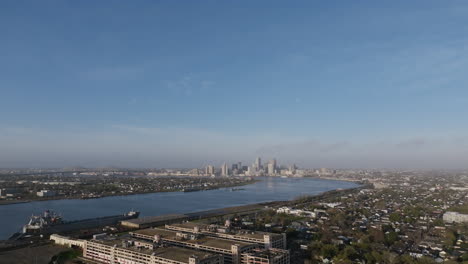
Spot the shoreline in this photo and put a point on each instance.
(252, 207)
(12, 202)
(246, 208)
(336, 179)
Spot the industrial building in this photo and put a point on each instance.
(125, 249)
(46, 193)
(231, 250)
(149, 221)
(9, 192)
(266, 256)
(157, 245)
(66, 241)
(263, 239)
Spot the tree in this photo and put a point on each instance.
(425, 260)
(329, 251)
(391, 238)
(465, 257)
(395, 217)
(349, 253)
(407, 259)
(376, 235)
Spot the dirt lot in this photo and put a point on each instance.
(30, 255)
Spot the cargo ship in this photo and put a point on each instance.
(50, 222)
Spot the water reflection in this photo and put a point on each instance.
(12, 217)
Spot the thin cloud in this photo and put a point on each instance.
(189, 85)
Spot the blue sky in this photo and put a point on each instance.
(187, 83)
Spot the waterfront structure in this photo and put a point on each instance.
(50, 222)
(66, 241)
(266, 256)
(230, 250)
(455, 217)
(149, 221)
(46, 193)
(263, 239)
(8, 192)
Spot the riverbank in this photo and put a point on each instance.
(265, 190)
(335, 179)
(74, 197)
(248, 209)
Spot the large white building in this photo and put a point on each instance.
(128, 250)
(454, 217)
(189, 243)
(229, 249)
(262, 239)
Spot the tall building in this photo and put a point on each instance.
(210, 170)
(292, 169)
(271, 169)
(258, 163)
(224, 170)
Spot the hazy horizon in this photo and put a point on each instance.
(168, 84)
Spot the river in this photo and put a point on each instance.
(14, 216)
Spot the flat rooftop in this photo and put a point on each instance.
(167, 252)
(180, 254)
(189, 225)
(242, 232)
(269, 253)
(154, 219)
(205, 241)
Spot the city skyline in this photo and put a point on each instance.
(166, 84)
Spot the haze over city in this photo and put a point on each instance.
(160, 84)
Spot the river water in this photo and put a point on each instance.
(14, 216)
